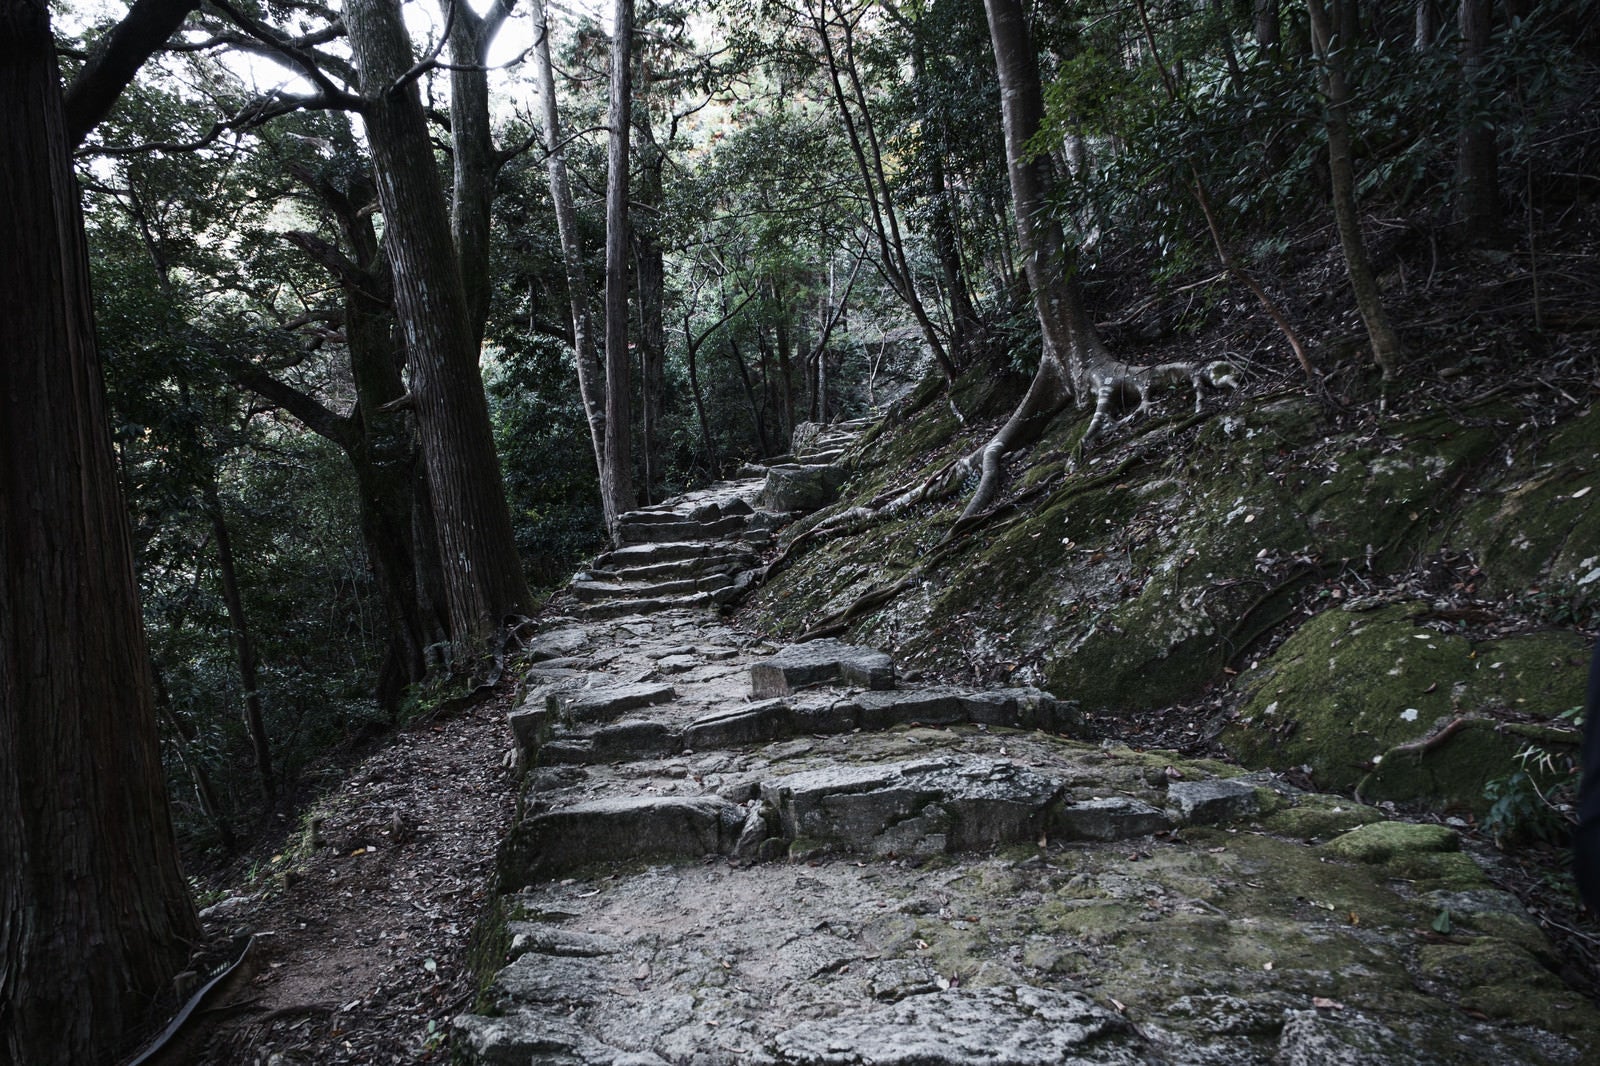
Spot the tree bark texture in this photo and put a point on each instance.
(95, 916)
(580, 293)
(616, 478)
(650, 284)
(483, 575)
(1335, 84)
(472, 150)
(1477, 200)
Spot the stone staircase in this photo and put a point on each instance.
(733, 852)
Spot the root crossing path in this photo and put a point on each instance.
(732, 852)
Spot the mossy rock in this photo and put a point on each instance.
(1317, 816)
(1352, 693)
(1535, 528)
(1381, 842)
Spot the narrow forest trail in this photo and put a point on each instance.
(729, 852)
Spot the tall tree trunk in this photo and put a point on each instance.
(580, 293)
(616, 477)
(1477, 197)
(756, 415)
(647, 200)
(184, 736)
(95, 915)
(1334, 81)
(484, 578)
(472, 150)
(1425, 22)
(1269, 34)
(244, 645)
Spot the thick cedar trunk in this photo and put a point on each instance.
(1334, 80)
(483, 576)
(244, 645)
(1477, 199)
(580, 293)
(95, 916)
(616, 477)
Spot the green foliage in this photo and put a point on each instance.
(1532, 802)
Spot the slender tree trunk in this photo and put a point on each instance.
(1331, 73)
(750, 396)
(580, 293)
(1269, 35)
(862, 136)
(1477, 199)
(244, 644)
(484, 577)
(1425, 24)
(184, 736)
(95, 915)
(616, 478)
(472, 151)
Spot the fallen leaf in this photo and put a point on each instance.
(1324, 1003)
(430, 965)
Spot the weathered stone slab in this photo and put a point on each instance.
(633, 739)
(619, 608)
(921, 807)
(797, 487)
(1210, 802)
(602, 704)
(1013, 1026)
(820, 661)
(1021, 708)
(755, 723)
(713, 562)
(676, 664)
(650, 554)
(557, 643)
(543, 939)
(1106, 819)
(544, 1037)
(593, 591)
(929, 706)
(555, 842)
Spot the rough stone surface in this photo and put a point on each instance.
(1211, 801)
(1107, 819)
(796, 487)
(600, 704)
(927, 807)
(1018, 1026)
(817, 662)
(569, 838)
(937, 875)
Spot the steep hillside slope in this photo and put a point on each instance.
(1297, 585)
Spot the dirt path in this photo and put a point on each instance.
(362, 941)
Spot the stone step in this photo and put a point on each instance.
(591, 591)
(555, 843)
(731, 560)
(684, 529)
(636, 555)
(820, 661)
(617, 608)
(907, 809)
